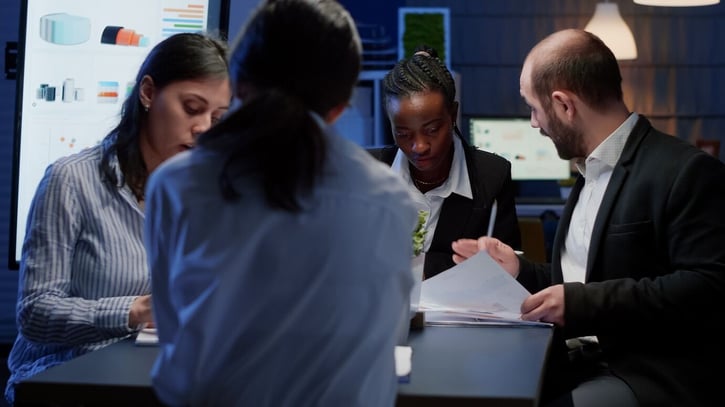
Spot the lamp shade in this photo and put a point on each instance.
(608, 25)
(676, 3)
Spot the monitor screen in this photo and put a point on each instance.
(532, 156)
(77, 60)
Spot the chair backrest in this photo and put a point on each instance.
(533, 242)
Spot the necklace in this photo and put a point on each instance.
(418, 182)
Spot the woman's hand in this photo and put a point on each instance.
(140, 315)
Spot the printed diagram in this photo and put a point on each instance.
(107, 92)
(68, 139)
(65, 29)
(70, 142)
(68, 92)
(117, 35)
(184, 18)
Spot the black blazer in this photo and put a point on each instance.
(460, 217)
(655, 272)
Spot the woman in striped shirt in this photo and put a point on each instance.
(84, 281)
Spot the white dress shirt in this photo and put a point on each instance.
(597, 170)
(458, 182)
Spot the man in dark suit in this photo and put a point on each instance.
(638, 262)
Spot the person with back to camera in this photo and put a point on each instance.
(455, 183)
(280, 251)
(638, 262)
(84, 281)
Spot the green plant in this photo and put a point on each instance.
(419, 233)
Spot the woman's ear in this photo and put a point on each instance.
(454, 112)
(146, 91)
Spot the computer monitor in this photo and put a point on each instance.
(77, 60)
(533, 157)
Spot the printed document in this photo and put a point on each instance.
(477, 291)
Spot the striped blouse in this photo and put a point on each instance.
(83, 263)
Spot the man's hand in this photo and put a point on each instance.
(547, 305)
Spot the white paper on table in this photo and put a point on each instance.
(477, 290)
(147, 337)
(403, 355)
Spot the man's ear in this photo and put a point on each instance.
(563, 104)
(146, 91)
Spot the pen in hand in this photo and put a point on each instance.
(492, 218)
(492, 222)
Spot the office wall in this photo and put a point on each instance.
(240, 10)
(678, 80)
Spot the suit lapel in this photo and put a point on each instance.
(619, 175)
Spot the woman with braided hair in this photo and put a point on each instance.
(458, 185)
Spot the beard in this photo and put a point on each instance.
(567, 140)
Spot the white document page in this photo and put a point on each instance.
(403, 360)
(147, 337)
(476, 290)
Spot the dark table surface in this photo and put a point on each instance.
(483, 365)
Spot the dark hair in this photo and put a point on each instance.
(423, 71)
(180, 57)
(585, 66)
(298, 57)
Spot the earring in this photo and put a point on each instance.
(146, 108)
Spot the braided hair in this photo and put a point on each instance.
(424, 71)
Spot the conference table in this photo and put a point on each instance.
(451, 366)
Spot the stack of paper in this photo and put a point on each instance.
(477, 291)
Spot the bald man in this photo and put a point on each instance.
(638, 262)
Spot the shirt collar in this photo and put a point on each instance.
(458, 181)
(607, 153)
